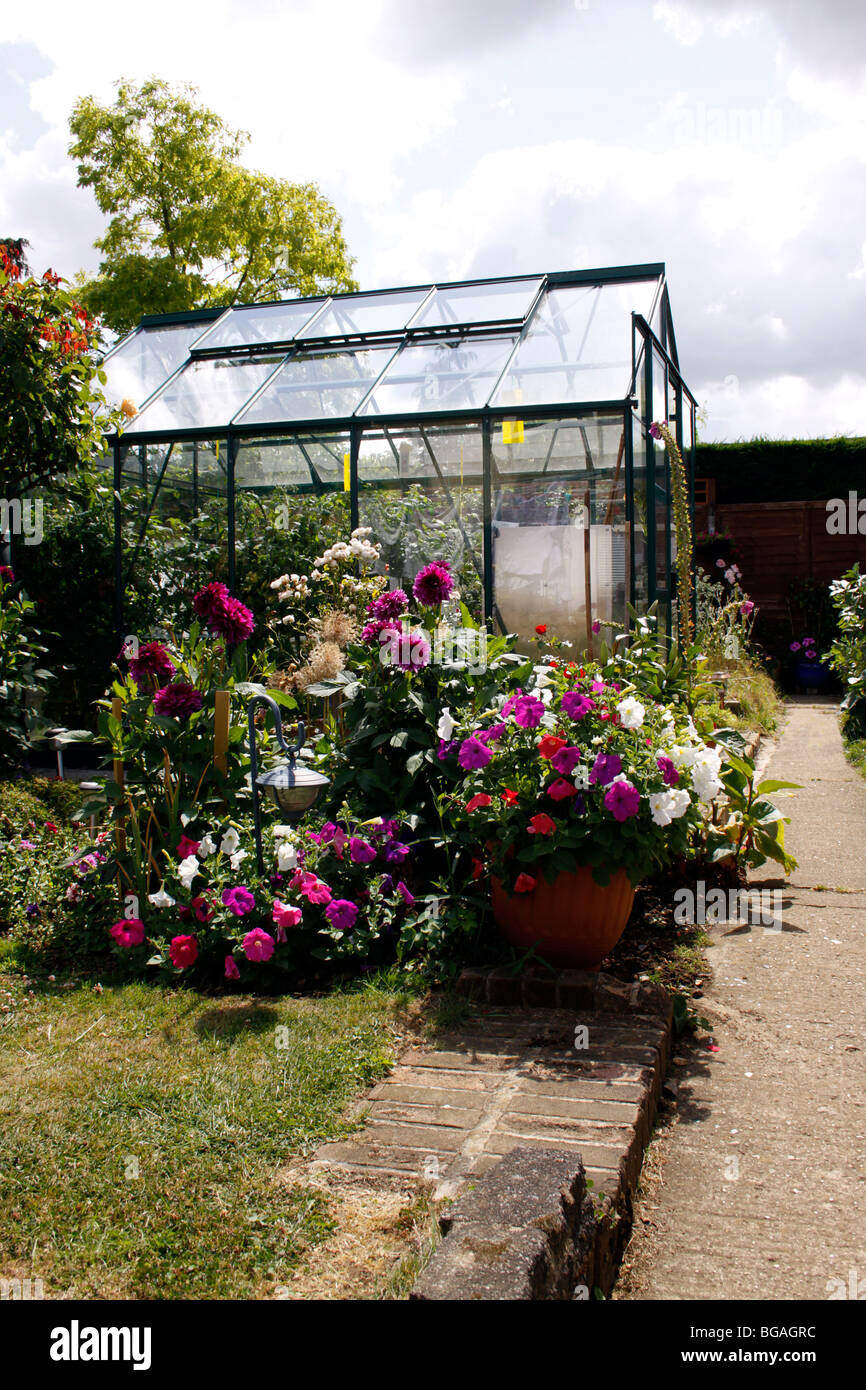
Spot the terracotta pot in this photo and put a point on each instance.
(572, 922)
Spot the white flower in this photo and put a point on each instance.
(207, 846)
(446, 726)
(287, 855)
(163, 899)
(284, 832)
(187, 871)
(73, 893)
(230, 841)
(631, 712)
(668, 805)
(237, 859)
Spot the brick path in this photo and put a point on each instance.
(513, 1077)
(762, 1192)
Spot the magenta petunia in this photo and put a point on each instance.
(183, 951)
(238, 900)
(407, 897)
(286, 916)
(341, 914)
(433, 584)
(360, 852)
(575, 706)
(128, 932)
(232, 972)
(622, 800)
(395, 852)
(473, 754)
(605, 768)
(178, 701)
(528, 712)
(258, 944)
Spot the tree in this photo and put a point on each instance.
(189, 225)
(52, 411)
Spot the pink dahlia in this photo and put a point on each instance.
(433, 584)
(209, 602)
(390, 605)
(235, 623)
(258, 944)
(178, 701)
(152, 660)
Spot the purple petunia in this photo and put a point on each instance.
(395, 853)
(178, 701)
(528, 712)
(239, 900)
(668, 771)
(575, 706)
(341, 914)
(473, 754)
(566, 760)
(433, 584)
(407, 897)
(622, 800)
(605, 768)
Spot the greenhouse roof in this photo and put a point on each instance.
(461, 349)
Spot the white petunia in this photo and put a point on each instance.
(661, 807)
(187, 871)
(161, 898)
(230, 841)
(446, 726)
(237, 858)
(287, 855)
(207, 846)
(631, 712)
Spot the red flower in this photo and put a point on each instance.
(509, 797)
(525, 883)
(183, 951)
(187, 847)
(49, 825)
(541, 629)
(550, 745)
(480, 799)
(202, 908)
(477, 868)
(560, 789)
(541, 824)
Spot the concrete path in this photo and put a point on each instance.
(759, 1190)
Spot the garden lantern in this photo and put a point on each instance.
(292, 787)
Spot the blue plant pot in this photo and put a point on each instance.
(812, 674)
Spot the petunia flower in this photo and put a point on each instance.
(232, 972)
(560, 790)
(525, 883)
(258, 945)
(565, 761)
(550, 745)
(341, 914)
(528, 712)
(239, 901)
(128, 932)
(473, 754)
(183, 951)
(360, 852)
(622, 800)
(186, 847)
(541, 824)
(476, 802)
(286, 916)
(576, 706)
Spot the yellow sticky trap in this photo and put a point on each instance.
(347, 472)
(512, 431)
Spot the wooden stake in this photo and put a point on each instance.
(120, 833)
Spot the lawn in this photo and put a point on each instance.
(146, 1133)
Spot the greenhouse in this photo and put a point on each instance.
(500, 424)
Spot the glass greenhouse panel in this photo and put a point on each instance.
(497, 301)
(259, 323)
(559, 538)
(266, 464)
(318, 386)
(365, 313)
(440, 376)
(577, 347)
(420, 455)
(207, 393)
(140, 366)
(430, 523)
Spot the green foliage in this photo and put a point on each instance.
(783, 470)
(22, 680)
(754, 828)
(52, 411)
(848, 652)
(189, 225)
(34, 841)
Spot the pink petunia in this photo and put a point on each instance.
(258, 945)
(232, 972)
(286, 916)
(622, 800)
(128, 932)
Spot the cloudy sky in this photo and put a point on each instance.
(483, 137)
